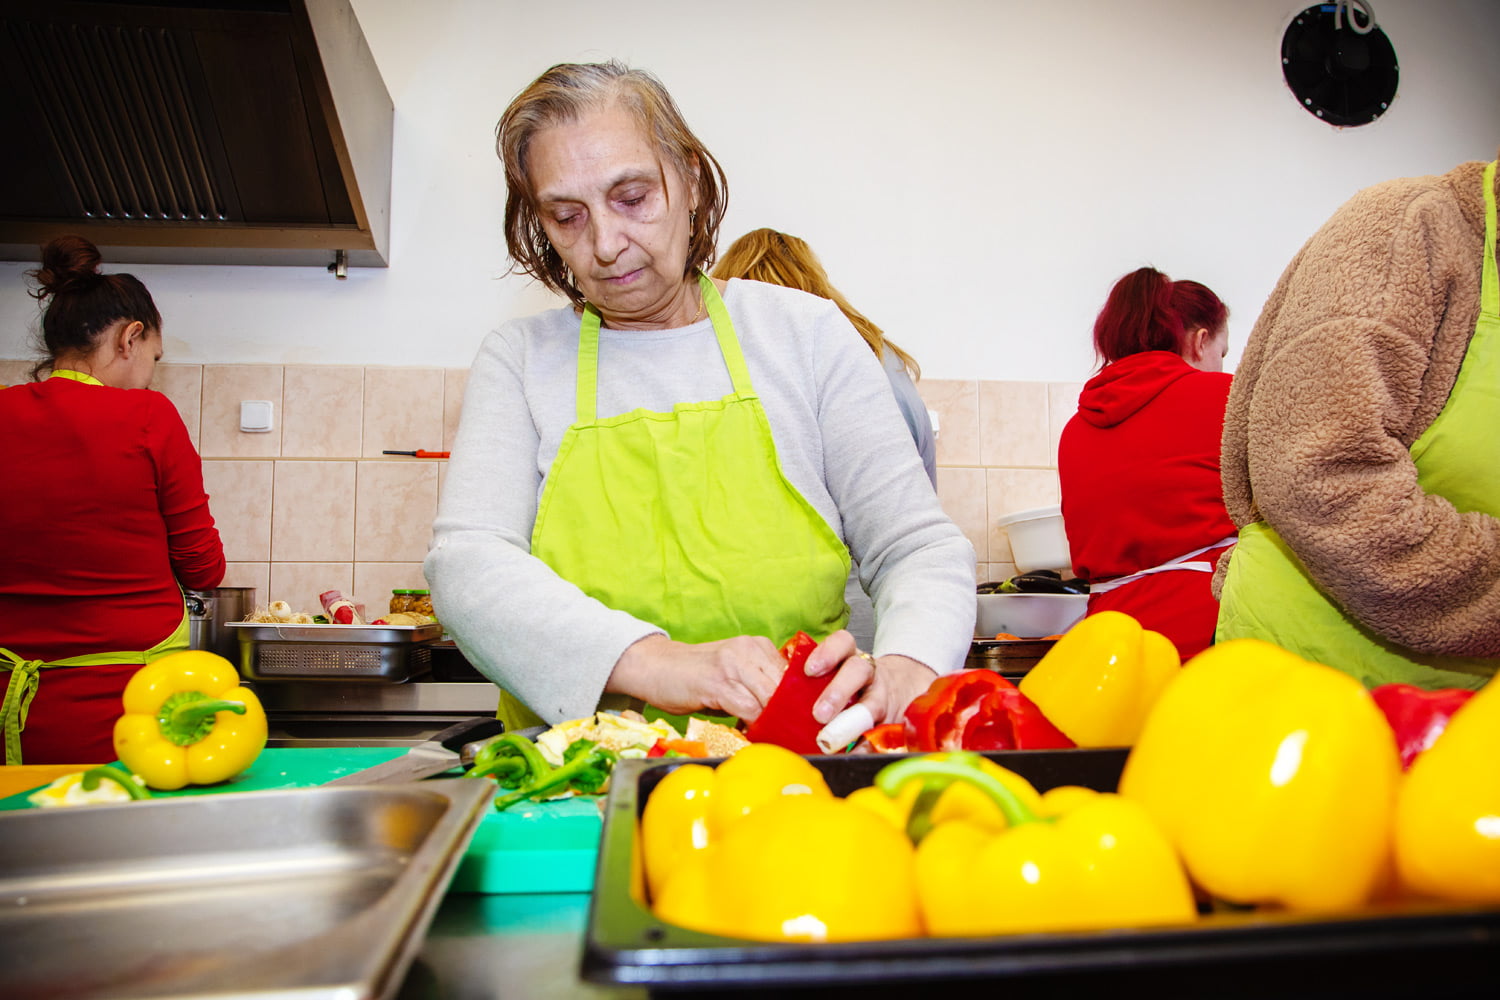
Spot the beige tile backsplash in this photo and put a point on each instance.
(395, 503)
(314, 506)
(403, 410)
(324, 414)
(224, 387)
(241, 496)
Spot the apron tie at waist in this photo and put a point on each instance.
(25, 679)
(1186, 561)
(21, 686)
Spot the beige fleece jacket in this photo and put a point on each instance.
(1352, 358)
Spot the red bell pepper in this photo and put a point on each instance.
(787, 720)
(978, 709)
(1417, 717)
(887, 738)
(678, 748)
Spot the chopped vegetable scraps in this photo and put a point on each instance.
(515, 763)
(627, 735)
(279, 613)
(105, 783)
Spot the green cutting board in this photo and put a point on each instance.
(530, 848)
(275, 768)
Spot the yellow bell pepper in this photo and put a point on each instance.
(674, 823)
(799, 868)
(696, 804)
(1101, 863)
(1447, 825)
(188, 721)
(1098, 683)
(958, 801)
(755, 775)
(1274, 778)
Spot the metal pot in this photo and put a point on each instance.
(210, 611)
(1011, 659)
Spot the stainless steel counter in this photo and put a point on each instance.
(481, 947)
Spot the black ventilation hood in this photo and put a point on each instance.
(194, 132)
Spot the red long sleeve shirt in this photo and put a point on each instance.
(103, 512)
(1139, 469)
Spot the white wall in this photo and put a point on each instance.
(975, 173)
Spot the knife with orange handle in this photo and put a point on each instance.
(418, 453)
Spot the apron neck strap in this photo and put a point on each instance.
(70, 374)
(588, 351)
(1489, 289)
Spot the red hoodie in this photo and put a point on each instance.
(1139, 467)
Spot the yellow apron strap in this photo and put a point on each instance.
(25, 679)
(68, 373)
(20, 688)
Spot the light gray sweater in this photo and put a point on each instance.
(839, 437)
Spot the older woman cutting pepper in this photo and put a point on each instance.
(654, 486)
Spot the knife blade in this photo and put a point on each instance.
(441, 753)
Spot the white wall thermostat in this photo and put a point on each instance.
(255, 416)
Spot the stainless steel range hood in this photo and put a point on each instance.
(230, 132)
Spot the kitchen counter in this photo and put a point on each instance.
(511, 946)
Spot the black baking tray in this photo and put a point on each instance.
(1427, 951)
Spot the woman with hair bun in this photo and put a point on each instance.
(1142, 501)
(105, 514)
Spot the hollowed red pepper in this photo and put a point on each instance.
(787, 720)
(1417, 716)
(887, 738)
(978, 710)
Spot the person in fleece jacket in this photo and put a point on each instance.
(1359, 443)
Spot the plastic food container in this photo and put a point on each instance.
(1029, 616)
(1037, 540)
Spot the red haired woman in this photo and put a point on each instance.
(1139, 463)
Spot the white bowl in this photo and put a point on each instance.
(1029, 616)
(1037, 540)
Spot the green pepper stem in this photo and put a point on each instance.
(936, 775)
(126, 781)
(188, 716)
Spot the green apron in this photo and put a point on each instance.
(685, 519)
(1455, 459)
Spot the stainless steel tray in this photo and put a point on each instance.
(314, 892)
(338, 633)
(388, 653)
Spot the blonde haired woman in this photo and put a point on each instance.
(782, 259)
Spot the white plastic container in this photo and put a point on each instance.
(1037, 540)
(1029, 616)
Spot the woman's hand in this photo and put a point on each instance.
(889, 683)
(733, 676)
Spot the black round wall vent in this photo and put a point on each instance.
(1340, 66)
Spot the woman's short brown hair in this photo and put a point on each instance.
(563, 94)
